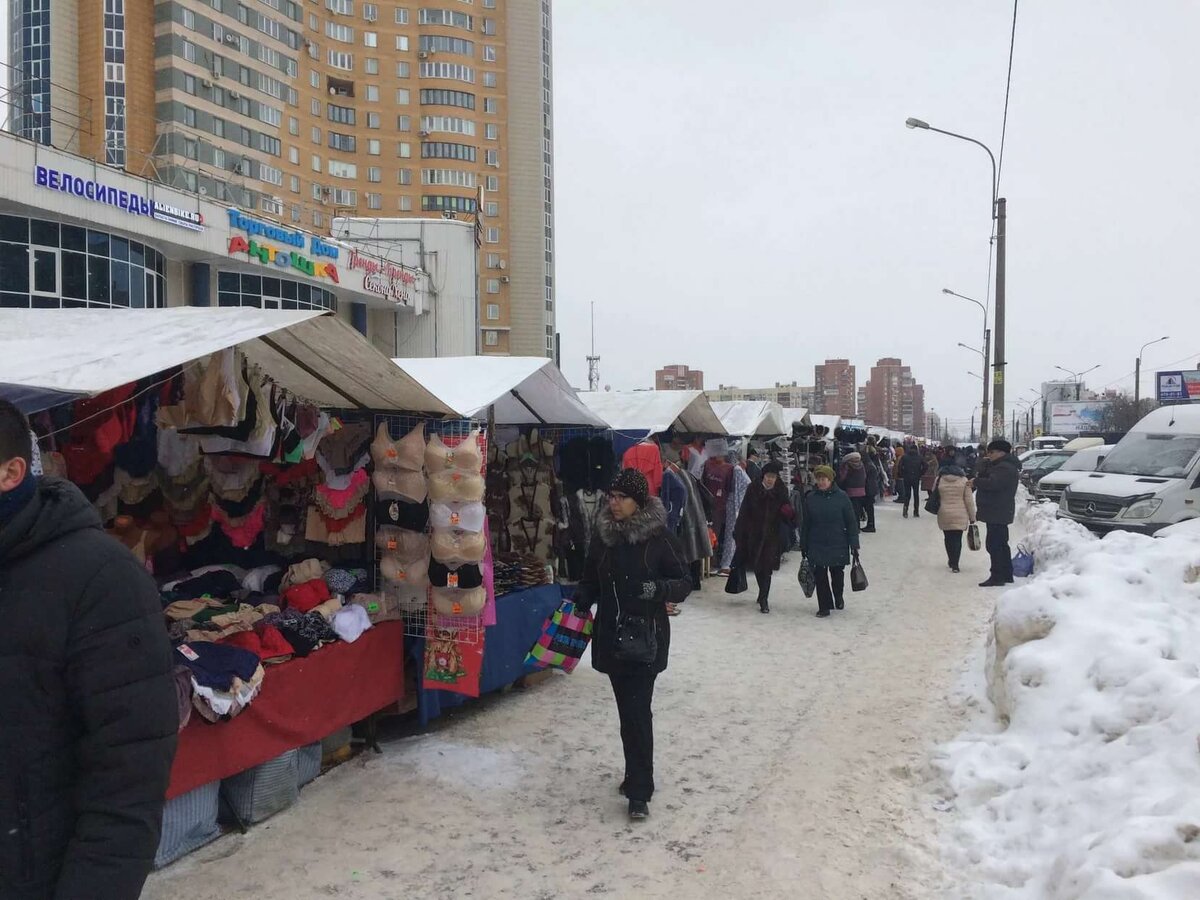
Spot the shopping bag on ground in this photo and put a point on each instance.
(858, 578)
(1023, 562)
(973, 537)
(808, 581)
(736, 583)
(565, 635)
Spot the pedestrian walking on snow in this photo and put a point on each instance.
(911, 469)
(635, 574)
(757, 530)
(956, 510)
(828, 539)
(854, 478)
(996, 497)
(874, 478)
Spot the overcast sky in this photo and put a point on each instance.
(736, 189)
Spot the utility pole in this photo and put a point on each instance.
(999, 366)
(593, 361)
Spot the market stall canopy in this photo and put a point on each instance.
(752, 418)
(31, 399)
(653, 412)
(796, 414)
(525, 390)
(313, 354)
(830, 422)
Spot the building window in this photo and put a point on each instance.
(491, 209)
(493, 260)
(401, 16)
(493, 158)
(314, 107)
(339, 169)
(341, 7)
(489, 4)
(447, 70)
(439, 97)
(374, 147)
(371, 66)
(404, 176)
(295, 184)
(343, 142)
(316, 163)
(451, 124)
(493, 287)
(489, 79)
(446, 17)
(404, 150)
(403, 123)
(340, 60)
(403, 96)
(444, 203)
(444, 150)
(491, 338)
(371, 12)
(489, 53)
(339, 32)
(492, 132)
(489, 26)
(370, 39)
(402, 42)
(404, 204)
(344, 115)
(436, 43)
(373, 120)
(490, 105)
(374, 174)
(452, 177)
(374, 201)
(264, 292)
(493, 235)
(293, 126)
(372, 93)
(403, 70)
(493, 184)
(493, 312)
(316, 135)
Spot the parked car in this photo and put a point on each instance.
(1048, 442)
(1042, 464)
(1051, 485)
(1149, 480)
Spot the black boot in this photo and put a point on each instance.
(639, 809)
(763, 607)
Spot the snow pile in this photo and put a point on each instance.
(1088, 784)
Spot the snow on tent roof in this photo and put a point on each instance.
(830, 422)
(653, 412)
(524, 390)
(313, 354)
(751, 418)
(795, 414)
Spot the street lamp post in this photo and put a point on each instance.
(1041, 398)
(1078, 376)
(987, 346)
(1000, 217)
(1137, 374)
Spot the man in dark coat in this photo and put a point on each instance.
(88, 713)
(635, 568)
(912, 468)
(996, 504)
(757, 530)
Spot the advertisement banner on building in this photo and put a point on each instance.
(1176, 387)
(1078, 418)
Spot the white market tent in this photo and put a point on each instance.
(313, 354)
(653, 412)
(830, 422)
(524, 390)
(795, 414)
(752, 418)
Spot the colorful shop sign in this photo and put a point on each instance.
(397, 283)
(272, 255)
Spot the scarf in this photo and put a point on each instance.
(15, 500)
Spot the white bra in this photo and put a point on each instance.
(464, 516)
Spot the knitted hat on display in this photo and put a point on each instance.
(633, 485)
(1002, 446)
(823, 472)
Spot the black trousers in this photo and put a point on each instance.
(695, 570)
(634, 689)
(912, 489)
(859, 505)
(831, 584)
(998, 550)
(954, 541)
(763, 577)
(868, 505)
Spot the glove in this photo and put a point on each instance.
(649, 590)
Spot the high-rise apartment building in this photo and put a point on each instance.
(678, 378)
(792, 396)
(835, 391)
(303, 111)
(894, 399)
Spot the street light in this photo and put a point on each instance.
(1137, 374)
(1040, 399)
(1000, 216)
(1078, 376)
(972, 349)
(987, 346)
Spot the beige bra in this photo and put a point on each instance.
(466, 457)
(455, 602)
(406, 453)
(453, 548)
(402, 484)
(413, 574)
(406, 546)
(454, 486)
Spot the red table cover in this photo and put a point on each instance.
(302, 701)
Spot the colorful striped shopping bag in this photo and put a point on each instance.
(565, 635)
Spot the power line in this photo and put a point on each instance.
(1012, 43)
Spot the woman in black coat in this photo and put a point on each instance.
(757, 531)
(635, 572)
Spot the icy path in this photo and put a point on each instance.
(791, 754)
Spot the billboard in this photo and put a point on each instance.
(1077, 418)
(1175, 387)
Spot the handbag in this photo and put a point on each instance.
(1022, 563)
(858, 578)
(636, 640)
(565, 635)
(808, 581)
(973, 536)
(736, 583)
(934, 503)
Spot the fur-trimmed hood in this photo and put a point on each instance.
(637, 529)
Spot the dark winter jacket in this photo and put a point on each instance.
(674, 498)
(873, 473)
(996, 490)
(853, 479)
(912, 466)
(624, 556)
(830, 529)
(757, 530)
(88, 713)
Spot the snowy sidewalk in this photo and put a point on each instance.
(790, 754)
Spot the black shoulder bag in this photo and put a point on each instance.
(636, 639)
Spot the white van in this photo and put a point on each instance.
(1048, 442)
(1150, 480)
(1051, 486)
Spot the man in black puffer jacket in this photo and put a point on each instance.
(912, 468)
(88, 713)
(996, 504)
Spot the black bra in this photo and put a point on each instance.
(411, 516)
(469, 576)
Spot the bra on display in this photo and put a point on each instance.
(399, 484)
(404, 545)
(457, 547)
(464, 577)
(452, 602)
(406, 453)
(453, 486)
(414, 574)
(466, 516)
(466, 457)
(413, 516)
